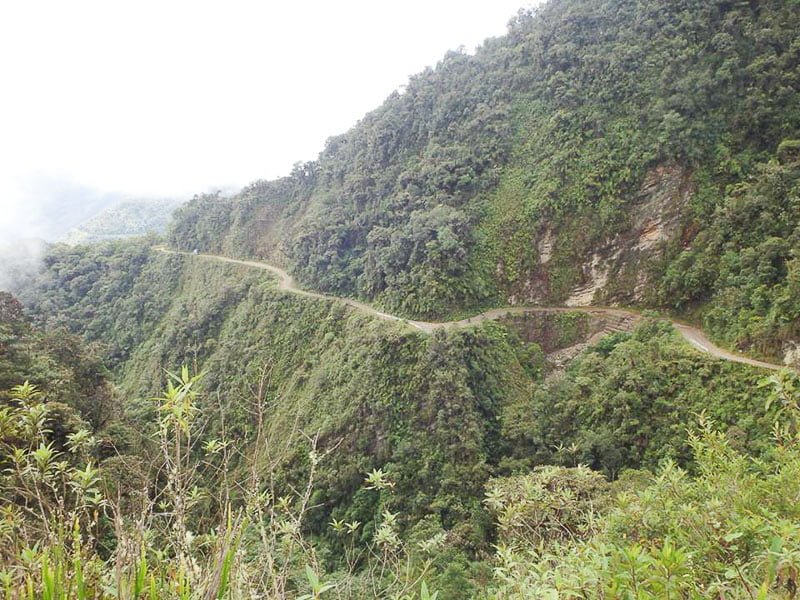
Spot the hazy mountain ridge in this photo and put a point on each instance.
(125, 218)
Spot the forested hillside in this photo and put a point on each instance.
(438, 415)
(258, 441)
(56, 361)
(601, 151)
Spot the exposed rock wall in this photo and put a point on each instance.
(618, 271)
(615, 271)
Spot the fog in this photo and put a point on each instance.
(165, 99)
(19, 262)
(104, 100)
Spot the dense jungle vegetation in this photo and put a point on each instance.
(445, 195)
(175, 427)
(435, 420)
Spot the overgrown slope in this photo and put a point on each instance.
(583, 157)
(441, 413)
(628, 151)
(71, 374)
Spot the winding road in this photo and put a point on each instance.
(692, 335)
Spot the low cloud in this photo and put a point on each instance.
(48, 206)
(39, 210)
(19, 263)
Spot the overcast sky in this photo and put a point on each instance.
(166, 98)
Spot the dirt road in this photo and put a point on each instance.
(286, 282)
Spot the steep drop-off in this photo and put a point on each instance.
(441, 412)
(624, 319)
(606, 152)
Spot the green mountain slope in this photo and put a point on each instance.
(59, 364)
(441, 412)
(631, 152)
(584, 157)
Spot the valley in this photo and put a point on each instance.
(529, 329)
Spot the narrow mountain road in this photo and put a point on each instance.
(286, 282)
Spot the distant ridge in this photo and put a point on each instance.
(123, 219)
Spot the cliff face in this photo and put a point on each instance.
(444, 411)
(620, 271)
(604, 151)
(615, 270)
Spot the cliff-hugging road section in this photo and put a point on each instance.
(286, 282)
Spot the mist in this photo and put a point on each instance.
(165, 100)
(214, 99)
(53, 205)
(19, 263)
(53, 208)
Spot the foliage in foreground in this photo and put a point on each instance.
(728, 529)
(442, 413)
(71, 529)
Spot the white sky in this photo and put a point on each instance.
(169, 98)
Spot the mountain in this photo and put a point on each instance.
(97, 218)
(600, 152)
(125, 218)
(52, 206)
(290, 441)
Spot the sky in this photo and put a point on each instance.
(170, 98)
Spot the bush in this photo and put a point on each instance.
(788, 151)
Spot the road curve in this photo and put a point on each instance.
(694, 336)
